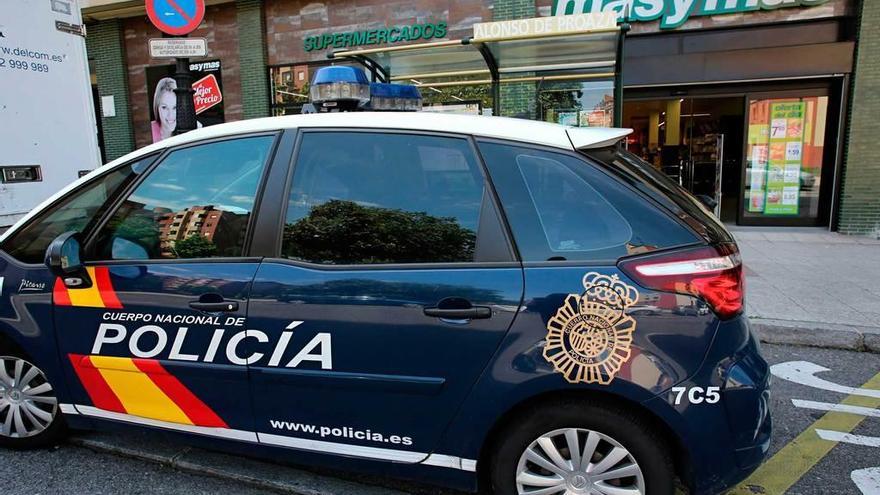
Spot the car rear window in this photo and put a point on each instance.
(562, 208)
(661, 188)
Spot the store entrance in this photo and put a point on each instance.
(695, 141)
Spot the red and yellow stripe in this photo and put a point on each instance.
(99, 295)
(141, 387)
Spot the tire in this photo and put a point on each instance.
(29, 414)
(513, 470)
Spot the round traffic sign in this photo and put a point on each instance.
(176, 17)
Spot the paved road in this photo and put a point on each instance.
(794, 427)
(74, 469)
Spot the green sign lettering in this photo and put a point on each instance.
(672, 13)
(392, 34)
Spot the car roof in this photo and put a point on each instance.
(519, 130)
(522, 130)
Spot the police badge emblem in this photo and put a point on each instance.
(589, 338)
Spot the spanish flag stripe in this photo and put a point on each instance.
(137, 391)
(105, 288)
(59, 293)
(196, 410)
(99, 391)
(88, 297)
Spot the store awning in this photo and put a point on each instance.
(571, 47)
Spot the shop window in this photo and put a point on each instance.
(290, 86)
(577, 103)
(785, 157)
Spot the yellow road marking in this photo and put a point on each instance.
(137, 392)
(796, 458)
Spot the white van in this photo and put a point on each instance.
(48, 134)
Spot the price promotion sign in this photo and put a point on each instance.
(207, 93)
(786, 158)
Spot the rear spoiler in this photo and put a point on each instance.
(584, 138)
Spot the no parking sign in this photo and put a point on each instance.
(176, 17)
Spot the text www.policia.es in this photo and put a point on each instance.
(340, 432)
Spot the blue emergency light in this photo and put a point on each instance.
(395, 97)
(344, 88)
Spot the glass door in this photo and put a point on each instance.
(786, 164)
(684, 138)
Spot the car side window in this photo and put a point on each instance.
(562, 208)
(78, 212)
(196, 203)
(367, 198)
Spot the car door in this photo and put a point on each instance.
(575, 224)
(157, 339)
(393, 286)
(26, 313)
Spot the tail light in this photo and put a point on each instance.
(712, 273)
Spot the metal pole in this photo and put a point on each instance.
(618, 77)
(186, 109)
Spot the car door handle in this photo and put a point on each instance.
(472, 313)
(214, 307)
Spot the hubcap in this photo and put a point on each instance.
(576, 461)
(27, 401)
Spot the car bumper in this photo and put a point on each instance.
(723, 442)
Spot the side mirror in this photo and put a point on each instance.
(63, 260)
(708, 201)
(123, 249)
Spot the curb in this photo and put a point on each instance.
(817, 334)
(174, 463)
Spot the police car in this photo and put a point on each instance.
(454, 299)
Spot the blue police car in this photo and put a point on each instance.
(469, 301)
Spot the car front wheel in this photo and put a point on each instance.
(29, 415)
(580, 448)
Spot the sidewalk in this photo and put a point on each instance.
(808, 286)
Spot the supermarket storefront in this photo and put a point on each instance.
(749, 113)
(743, 101)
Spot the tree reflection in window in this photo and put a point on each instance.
(343, 232)
(367, 198)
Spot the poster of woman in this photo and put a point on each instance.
(164, 109)
(163, 100)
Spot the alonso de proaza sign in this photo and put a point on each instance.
(672, 13)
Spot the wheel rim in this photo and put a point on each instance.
(27, 400)
(576, 461)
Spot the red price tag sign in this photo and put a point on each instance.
(207, 93)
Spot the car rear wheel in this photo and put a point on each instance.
(29, 415)
(578, 448)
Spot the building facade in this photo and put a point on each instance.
(764, 106)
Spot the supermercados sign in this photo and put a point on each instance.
(388, 34)
(672, 13)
